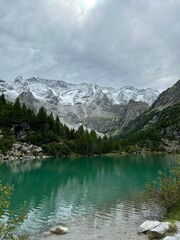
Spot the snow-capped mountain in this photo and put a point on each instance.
(77, 103)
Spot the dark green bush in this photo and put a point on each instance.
(13, 220)
(56, 149)
(166, 190)
(6, 143)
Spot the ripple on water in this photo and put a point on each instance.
(84, 218)
(88, 196)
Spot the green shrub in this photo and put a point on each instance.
(174, 213)
(172, 227)
(56, 149)
(166, 191)
(9, 221)
(41, 137)
(6, 144)
(152, 235)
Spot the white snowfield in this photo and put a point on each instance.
(73, 94)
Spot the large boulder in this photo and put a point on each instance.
(59, 230)
(148, 225)
(177, 237)
(37, 150)
(19, 130)
(17, 146)
(161, 229)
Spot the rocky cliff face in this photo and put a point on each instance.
(161, 121)
(98, 108)
(168, 97)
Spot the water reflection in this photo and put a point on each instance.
(91, 190)
(20, 166)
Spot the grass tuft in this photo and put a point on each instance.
(172, 227)
(152, 235)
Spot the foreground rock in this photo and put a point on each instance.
(22, 151)
(148, 225)
(177, 237)
(59, 230)
(159, 229)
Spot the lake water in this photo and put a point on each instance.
(93, 197)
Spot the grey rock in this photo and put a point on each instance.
(46, 234)
(59, 230)
(19, 130)
(17, 146)
(24, 148)
(176, 237)
(23, 151)
(148, 225)
(161, 229)
(38, 150)
(169, 238)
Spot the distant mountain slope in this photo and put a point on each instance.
(159, 127)
(169, 97)
(99, 108)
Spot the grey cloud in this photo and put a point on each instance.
(115, 43)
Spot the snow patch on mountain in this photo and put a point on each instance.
(96, 107)
(73, 94)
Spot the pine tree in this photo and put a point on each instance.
(2, 100)
(41, 118)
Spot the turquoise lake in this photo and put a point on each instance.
(88, 195)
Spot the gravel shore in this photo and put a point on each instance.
(114, 233)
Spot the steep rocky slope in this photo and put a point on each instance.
(169, 97)
(160, 125)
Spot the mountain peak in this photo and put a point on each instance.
(82, 93)
(93, 105)
(18, 79)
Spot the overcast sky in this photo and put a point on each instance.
(107, 42)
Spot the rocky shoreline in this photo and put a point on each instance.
(25, 151)
(159, 228)
(22, 151)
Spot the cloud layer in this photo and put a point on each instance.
(111, 43)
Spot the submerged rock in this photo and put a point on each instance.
(46, 234)
(59, 230)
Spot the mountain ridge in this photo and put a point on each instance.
(120, 95)
(83, 103)
(159, 127)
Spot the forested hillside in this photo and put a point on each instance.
(159, 127)
(20, 123)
